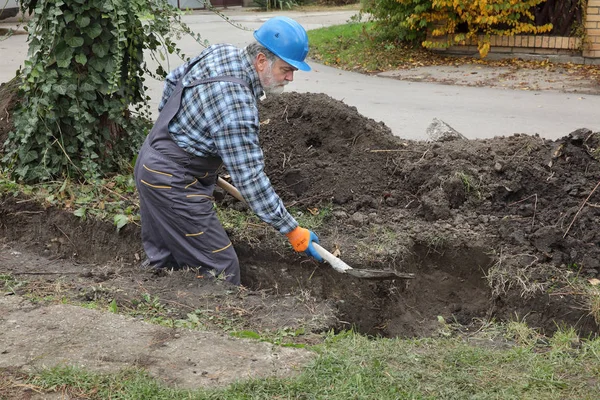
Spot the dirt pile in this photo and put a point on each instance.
(489, 227)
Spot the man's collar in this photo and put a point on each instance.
(252, 74)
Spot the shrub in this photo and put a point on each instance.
(392, 18)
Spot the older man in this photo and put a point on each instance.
(208, 117)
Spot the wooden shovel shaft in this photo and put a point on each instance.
(229, 188)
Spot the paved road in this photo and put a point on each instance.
(406, 107)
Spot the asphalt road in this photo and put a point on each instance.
(406, 107)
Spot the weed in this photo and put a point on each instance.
(349, 365)
(245, 225)
(470, 184)
(150, 305)
(383, 245)
(573, 267)
(112, 307)
(312, 218)
(435, 242)
(564, 339)
(522, 334)
(510, 272)
(112, 199)
(11, 284)
(594, 304)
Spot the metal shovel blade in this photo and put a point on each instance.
(344, 268)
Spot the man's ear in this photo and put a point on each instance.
(261, 62)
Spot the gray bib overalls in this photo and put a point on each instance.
(179, 225)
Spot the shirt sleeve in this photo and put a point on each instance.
(236, 140)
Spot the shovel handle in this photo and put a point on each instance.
(228, 187)
(335, 262)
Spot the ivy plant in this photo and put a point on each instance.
(84, 110)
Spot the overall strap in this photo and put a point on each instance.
(220, 78)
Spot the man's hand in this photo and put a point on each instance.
(301, 240)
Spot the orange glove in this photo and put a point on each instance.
(301, 240)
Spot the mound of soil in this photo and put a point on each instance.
(490, 228)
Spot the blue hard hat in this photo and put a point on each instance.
(285, 38)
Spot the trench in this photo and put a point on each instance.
(448, 283)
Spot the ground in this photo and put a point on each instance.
(492, 229)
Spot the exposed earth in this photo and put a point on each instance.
(492, 229)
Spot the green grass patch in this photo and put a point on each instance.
(10, 284)
(352, 366)
(358, 46)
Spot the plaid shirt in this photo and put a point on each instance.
(221, 119)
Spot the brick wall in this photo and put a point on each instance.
(544, 45)
(592, 28)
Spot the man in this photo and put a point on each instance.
(208, 117)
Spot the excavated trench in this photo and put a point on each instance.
(283, 290)
(451, 284)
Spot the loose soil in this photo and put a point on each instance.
(491, 229)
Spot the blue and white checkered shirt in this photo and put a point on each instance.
(221, 119)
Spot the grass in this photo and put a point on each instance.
(356, 46)
(351, 366)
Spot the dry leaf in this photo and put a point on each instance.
(313, 211)
(336, 252)
(594, 282)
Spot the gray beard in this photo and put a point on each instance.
(274, 90)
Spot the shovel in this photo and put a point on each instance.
(335, 262)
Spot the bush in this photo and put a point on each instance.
(391, 18)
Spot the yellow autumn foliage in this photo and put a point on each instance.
(483, 19)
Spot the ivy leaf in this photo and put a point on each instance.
(81, 58)
(120, 221)
(69, 16)
(91, 96)
(63, 55)
(60, 89)
(94, 31)
(87, 87)
(100, 49)
(83, 21)
(29, 156)
(74, 41)
(97, 64)
(80, 212)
